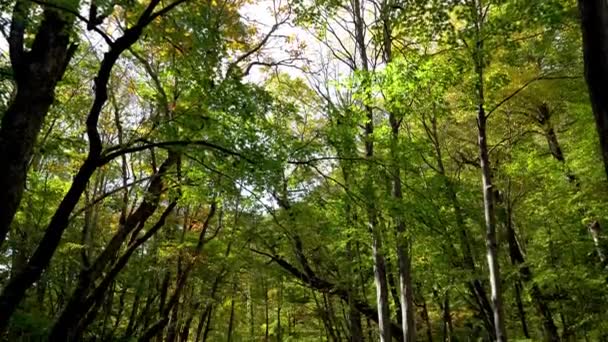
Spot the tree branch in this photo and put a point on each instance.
(117, 151)
(524, 86)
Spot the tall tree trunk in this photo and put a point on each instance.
(185, 329)
(323, 285)
(231, 319)
(325, 318)
(354, 317)
(201, 322)
(208, 324)
(447, 318)
(181, 279)
(427, 320)
(377, 249)
(487, 183)
(279, 305)
(36, 73)
(517, 258)
(251, 312)
(15, 290)
(119, 313)
(405, 269)
(392, 285)
(76, 306)
(475, 285)
(173, 325)
(594, 25)
(266, 313)
(521, 309)
(403, 241)
(543, 118)
(133, 315)
(491, 244)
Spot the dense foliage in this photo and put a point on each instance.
(301, 170)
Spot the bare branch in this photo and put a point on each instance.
(524, 86)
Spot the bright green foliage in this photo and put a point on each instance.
(270, 233)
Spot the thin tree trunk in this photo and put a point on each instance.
(486, 177)
(201, 322)
(323, 285)
(181, 278)
(543, 117)
(601, 247)
(520, 309)
(517, 258)
(231, 319)
(324, 313)
(107, 309)
(406, 301)
(491, 244)
(251, 313)
(427, 320)
(354, 317)
(145, 315)
(331, 315)
(208, 324)
(405, 270)
(119, 313)
(172, 328)
(133, 315)
(377, 249)
(279, 303)
(475, 286)
(392, 285)
(266, 314)
(185, 329)
(447, 319)
(76, 306)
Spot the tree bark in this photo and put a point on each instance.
(314, 282)
(403, 241)
(266, 313)
(181, 279)
(427, 320)
(475, 285)
(15, 290)
(517, 258)
(594, 25)
(377, 249)
(37, 73)
(487, 185)
(601, 247)
(521, 309)
(594, 228)
(279, 304)
(76, 306)
(447, 319)
(201, 322)
(208, 324)
(490, 218)
(231, 319)
(133, 315)
(405, 268)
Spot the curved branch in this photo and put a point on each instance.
(116, 151)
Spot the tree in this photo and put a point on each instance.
(309, 174)
(594, 25)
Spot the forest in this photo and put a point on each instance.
(303, 170)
